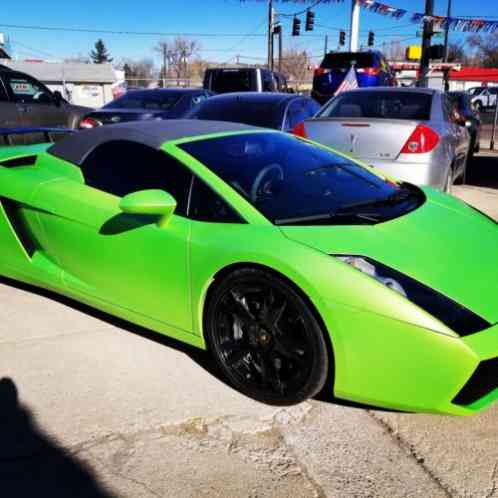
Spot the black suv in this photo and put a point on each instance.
(245, 79)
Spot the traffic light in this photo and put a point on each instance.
(296, 26)
(342, 38)
(277, 29)
(310, 20)
(371, 37)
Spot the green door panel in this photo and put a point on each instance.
(123, 259)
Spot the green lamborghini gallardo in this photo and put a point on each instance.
(298, 268)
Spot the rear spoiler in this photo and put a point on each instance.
(48, 133)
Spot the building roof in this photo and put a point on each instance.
(71, 72)
(487, 75)
(76, 148)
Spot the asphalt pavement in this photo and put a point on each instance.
(94, 407)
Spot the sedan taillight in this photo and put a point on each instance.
(88, 123)
(422, 140)
(319, 71)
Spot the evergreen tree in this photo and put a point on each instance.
(100, 54)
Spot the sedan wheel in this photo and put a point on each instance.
(266, 339)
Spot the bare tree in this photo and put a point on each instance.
(486, 47)
(181, 51)
(139, 73)
(163, 48)
(296, 64)
(456, 52)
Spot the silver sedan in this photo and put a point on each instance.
(413, 134)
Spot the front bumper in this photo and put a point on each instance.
(418, 173)
(392, 364)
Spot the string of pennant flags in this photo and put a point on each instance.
(453, 23)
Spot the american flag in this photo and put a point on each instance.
(349, 83)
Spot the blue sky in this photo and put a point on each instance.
(215, 17)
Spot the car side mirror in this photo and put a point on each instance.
(150, 202)
(57, 98)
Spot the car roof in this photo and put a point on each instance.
(75, 148)
(172, 91)
(263, 97)
(403, 89)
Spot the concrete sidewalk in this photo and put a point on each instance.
(99, 408)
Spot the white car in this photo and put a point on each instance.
(485, 99)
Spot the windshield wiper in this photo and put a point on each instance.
(396, 197)
(328, 216)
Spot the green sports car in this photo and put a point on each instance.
(297, 267)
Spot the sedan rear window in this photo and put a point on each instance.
(383, 105)
(346, 59)
(145, 100)
(240, 111)
(232, 80)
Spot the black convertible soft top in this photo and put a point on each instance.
(78, 146)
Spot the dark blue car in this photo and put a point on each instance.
(140, 105)
(372, 69)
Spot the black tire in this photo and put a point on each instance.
(265, 338)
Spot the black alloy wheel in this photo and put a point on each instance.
(265, 338)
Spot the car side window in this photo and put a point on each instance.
(122, 167)
(267, 81)
(27, 90)
(207, 205)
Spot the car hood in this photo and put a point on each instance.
(444, 244)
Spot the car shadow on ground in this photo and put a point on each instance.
(32, 463)
(483, 172)
(201, 357)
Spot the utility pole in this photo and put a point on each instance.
(270, 34)
(325, 49)
(355, 26)
(447, 31)
(426, 44)
(165, 63)
(280, 50)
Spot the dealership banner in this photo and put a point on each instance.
(454, 23)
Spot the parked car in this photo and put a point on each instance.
(282, 111)
(372, 69)
(140, 105)
(26, 102)
(486, 99)
(475, 90)
(463, 103)
(414, 134)
(247, 79)
(295, 267)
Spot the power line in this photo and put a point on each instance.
(302, 11)
(132, 33)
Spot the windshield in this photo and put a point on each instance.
(232, 80)
(383, 105)
(161, 101)
(293, 182)
(239, 110)
(345, 59)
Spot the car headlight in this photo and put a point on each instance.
(455, 316)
